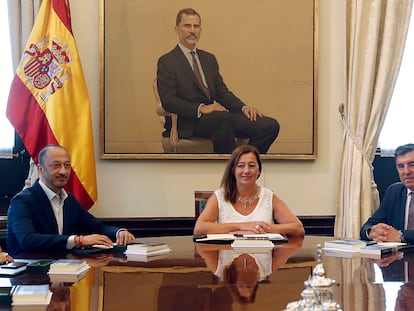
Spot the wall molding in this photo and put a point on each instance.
(163, 226)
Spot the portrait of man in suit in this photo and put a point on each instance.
(190, 85)
(258, 67)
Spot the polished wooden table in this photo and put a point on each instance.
(190, 278)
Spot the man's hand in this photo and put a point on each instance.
(92, 239)
(206, 109)
(5, 257)
(125, 237)
(384, 233)
(251, 113)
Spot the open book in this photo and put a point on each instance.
(228, 238)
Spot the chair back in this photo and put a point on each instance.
(169, 144)
(200, 200)
(174, 144)
(159, 109)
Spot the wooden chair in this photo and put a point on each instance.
(200, 200)
(174, 144)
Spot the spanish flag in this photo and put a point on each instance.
(49, 102)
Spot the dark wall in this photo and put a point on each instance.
(13, 173)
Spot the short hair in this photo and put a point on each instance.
(402, 150)
(187, 11)
(42, 153)
(228, 181)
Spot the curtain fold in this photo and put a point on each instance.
(376, 33)
(366, 294)
(22, 15)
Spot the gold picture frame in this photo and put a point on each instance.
(268, 56)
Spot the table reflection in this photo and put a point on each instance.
(216, 278)
(242, 272)
(398, 270)
(374, 284)
(60, 299)
(192, 277)
(405, 298)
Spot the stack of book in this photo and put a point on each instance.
(346, 245)
(377, 251)
(68, 270)
(252, 245)
(346, 248)
(31, 295)
(146, 251)
(384, 249)
(351, 248)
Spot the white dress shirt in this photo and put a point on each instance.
(57, 201)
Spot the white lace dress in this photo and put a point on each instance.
(263, 210)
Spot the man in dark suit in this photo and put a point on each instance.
(45, 217)
(190, 85)
(391, 221)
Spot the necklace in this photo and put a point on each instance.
(248, 201)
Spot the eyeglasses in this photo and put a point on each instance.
(58, 165)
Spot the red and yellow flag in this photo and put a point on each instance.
(49, 102)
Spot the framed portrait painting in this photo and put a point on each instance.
(268, 57)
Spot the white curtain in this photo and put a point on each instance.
(376, 33)
(22, 16)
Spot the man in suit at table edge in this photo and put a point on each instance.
(45, 217)
(190, 85)
(391, 221)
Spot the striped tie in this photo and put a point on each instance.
(197, 73)
(410, 223)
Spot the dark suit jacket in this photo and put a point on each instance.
(391, 212)
(32, 224)
(181, 94)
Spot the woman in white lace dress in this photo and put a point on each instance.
(242, 206)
